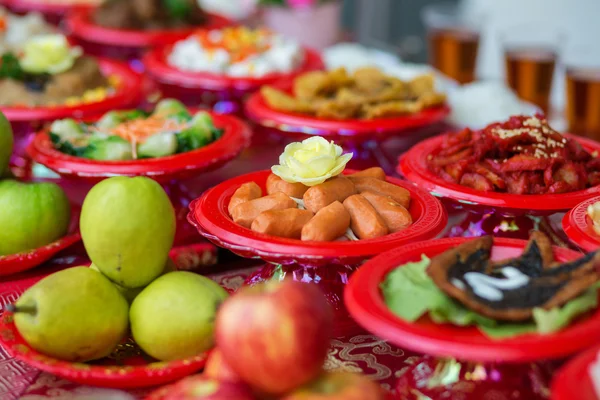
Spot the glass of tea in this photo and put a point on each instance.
(453, 41)
(531, 52)
(583, 91)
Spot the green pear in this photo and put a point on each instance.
(31, 215)
(131, 294)
(6, 144)
(174, 317)
(128, 228)
(75, 315)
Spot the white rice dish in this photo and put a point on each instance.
(282, 56)
(19, 29)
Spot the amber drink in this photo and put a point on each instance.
(583, 101)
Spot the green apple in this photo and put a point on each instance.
(174, 317)
(6, 144)
(31, 215)
(75, 315)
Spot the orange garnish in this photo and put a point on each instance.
(138, 130)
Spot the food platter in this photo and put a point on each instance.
(366, 305)
(579, 227)
(574, 377)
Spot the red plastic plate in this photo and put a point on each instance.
(55, 8)
(413, 166)
(366, 305)
(210, 216)
(580, 228)
(235, 138)
(127, 95)
(80, 25)
(158, 67)
(292, 123)
(573, 382)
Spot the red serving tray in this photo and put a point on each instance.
(292, 124)
(579, 226)
(80, 24)
(235, 138)
(210, 216)
(129, 94)
(158, 68)
(413, 166)
(366, 305)
(574, 378)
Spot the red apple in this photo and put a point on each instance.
(339, 386)
(275, 335)
(201, 387)
(217, 368)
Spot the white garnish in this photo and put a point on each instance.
(350, 235)
(300, 203)
(490, 288)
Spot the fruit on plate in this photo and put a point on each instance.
(174, 317)
(217, 368)
(56, 315)
(31, 215)
(284, 330)
(128, 228)
(131, 294)
(6, 143)
(201, 387)
(339, 386)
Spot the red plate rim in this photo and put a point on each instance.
(579, 227)
(259, 111)
(574, 378)
(157, 66)
(80, 25)
(235, 138)
(41, 6)
(120, 377)
(366, 305)
(413, 166)
(128, 94)
(209, 214)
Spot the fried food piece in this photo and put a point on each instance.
(510, 290)
(395, 216)
(365, 222)
(382, 188)
(282, 223)
(374, 172)
(431, 99)
(317, 84)
(337, 110)
(245, 213)
(390, 109)
(328, 224)
(335, 189)
(280, 100)
(422, 84)
(248, 191)
(276, 184)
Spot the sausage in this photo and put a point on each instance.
(365, 222)
(283, 223)
(322, 195)
(248, 191)
(276, 184)
(374, 172)
(395, 216)
(245, 213)
(328, 224)
(382, 188)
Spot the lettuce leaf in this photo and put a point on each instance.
(410, 293)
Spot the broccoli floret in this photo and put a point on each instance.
(112, 148)
(159, 145)
(67, 129)
(170, 108)
(114, 118)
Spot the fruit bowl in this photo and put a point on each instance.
(579, 227)
(575, 378)
(224, 93)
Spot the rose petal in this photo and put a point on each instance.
(315, 181)
(321, 165)
(299, 169)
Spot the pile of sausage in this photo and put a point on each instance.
(363, 202)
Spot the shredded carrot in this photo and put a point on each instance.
(138, 130)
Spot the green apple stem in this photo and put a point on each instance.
(21, 309)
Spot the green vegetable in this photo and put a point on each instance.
(112, 148)
(75, 148)
(170, 108)
(201, 131)
(10, 67)
(410, 293)
(67, 129)
(178, 8)
(114, 118)
(159, 145)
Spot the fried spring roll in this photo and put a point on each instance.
(375, 172)
(336, 189)
(245, 213)
(395, 216)
(248, 191)
(382, 188)
(365, 222)
(328, 224)
(276, 184)
(283, 223)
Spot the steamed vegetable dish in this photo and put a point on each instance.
(134, 134)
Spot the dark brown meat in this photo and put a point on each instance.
(84, 75)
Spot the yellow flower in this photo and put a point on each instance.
(311, 162)
(50, 54)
